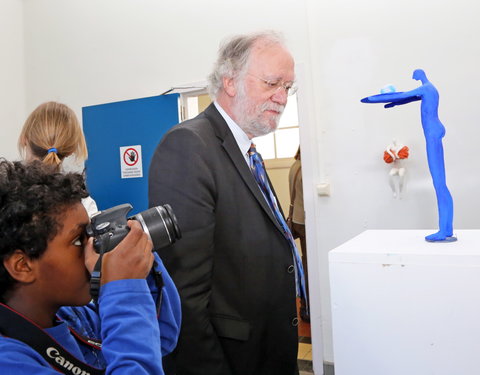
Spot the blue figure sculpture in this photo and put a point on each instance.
(434, 132)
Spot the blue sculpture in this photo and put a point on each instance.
(434, 132)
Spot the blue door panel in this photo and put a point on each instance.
(108, 127)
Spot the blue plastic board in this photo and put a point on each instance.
(108, 127)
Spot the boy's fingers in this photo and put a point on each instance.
(91, 256)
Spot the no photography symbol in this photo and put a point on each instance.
(130, 157)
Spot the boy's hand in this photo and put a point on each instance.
(132, 258)
(91, 256)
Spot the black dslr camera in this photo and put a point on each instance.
(109, 227)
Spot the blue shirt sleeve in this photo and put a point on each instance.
(129, 328)
(130, 332)
(134, 337)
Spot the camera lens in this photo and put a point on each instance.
(160, 224)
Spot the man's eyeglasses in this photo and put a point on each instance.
(273, 85)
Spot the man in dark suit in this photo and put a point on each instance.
(234, 266)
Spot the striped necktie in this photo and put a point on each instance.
(258, 170)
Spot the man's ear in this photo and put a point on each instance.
(229, 86)
(19, 266)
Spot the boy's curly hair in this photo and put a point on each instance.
(33, 198)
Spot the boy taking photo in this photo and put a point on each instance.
(48, 323)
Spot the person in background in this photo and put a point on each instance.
(50, 134)
(297, 218)
(236, 267)
(45, 264)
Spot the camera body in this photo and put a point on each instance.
(109, 227)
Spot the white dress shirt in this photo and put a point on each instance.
(240, 136)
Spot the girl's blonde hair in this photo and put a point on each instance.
(51, 133)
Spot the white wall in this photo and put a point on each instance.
(85, 52)
(357, 47)
(12, 76)
(89, 52)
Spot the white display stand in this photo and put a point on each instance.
(403, 306)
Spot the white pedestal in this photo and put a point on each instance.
(403, 306)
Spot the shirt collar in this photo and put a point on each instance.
(240, 136)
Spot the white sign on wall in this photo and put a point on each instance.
(131, 161)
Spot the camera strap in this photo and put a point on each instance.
(17, 326)
(96, 276)
(157, 275)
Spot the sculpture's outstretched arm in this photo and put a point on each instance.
(404, 101)
(395, 98)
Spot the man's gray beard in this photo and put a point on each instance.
(249, 123)
(256, 128)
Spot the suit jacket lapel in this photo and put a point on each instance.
(231, 147)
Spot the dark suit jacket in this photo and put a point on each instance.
(233, 266)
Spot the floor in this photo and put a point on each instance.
(305, 351)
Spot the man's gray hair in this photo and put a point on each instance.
(233, 57)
